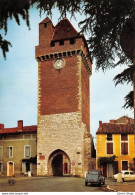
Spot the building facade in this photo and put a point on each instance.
(115, 149)
(18, 150)
(64, 66)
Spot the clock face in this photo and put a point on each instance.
(59, 63)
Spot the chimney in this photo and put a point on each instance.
(20, 125)
(1, 126)
(100, 124)
(112, 121)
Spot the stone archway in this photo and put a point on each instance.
(59, 163)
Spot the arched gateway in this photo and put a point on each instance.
(59, 163)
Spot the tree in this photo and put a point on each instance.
(103, 23)
(126, 77)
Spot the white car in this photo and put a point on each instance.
(126, 175)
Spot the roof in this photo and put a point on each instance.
(65, 30)
(116, 128)
(124, 119)
(25, 129)
(46, 20)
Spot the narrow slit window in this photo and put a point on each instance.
(45, 25)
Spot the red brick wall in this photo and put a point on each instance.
(45, 48)
(59, 89)
(45, 34)
(85, 97)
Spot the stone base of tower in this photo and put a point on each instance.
(89, 162)
(63, 145)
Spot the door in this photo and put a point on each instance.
(10, 169)
(124, 165)
(110, 169)
(115, 167)
(65, 168)
(105, 170)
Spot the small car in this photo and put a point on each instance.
(94, 177)
(126, 175)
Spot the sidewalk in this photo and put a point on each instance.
(124, 187)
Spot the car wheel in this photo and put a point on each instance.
(99, 183)
(86, 183)
(103, 182)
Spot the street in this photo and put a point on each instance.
(59, 184)
(45, 184)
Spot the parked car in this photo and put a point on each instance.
(94, 177)
(126, 175)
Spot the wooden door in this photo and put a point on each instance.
(10, 169)
(65, 168)
(110, 169)
(115, 167)
(124, 165)
(105, 170)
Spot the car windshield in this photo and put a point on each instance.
(126, 173)
(93, 177)
(93, 172)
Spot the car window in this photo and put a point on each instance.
(131, 173)
(126, 173)
(94, 172)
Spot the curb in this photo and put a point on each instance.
(111, 189)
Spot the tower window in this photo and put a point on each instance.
(61, 42)
(45, 25)
(52, 44)
(72, 41)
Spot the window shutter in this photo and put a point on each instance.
(124, 148)
(23, 167)
(1, 167)
(31, 167)
(109, 137)
(27, 151)
(124, 137)
(109, 148)
(0, 151)
(7, 152)
(10, 151)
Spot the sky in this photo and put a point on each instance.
(19, 79)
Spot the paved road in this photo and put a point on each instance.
(58, 184)
(44, 184)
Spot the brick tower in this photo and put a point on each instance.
(64, 66)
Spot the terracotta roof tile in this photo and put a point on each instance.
(26, 129)
(64, 30)
(116, 128)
